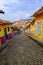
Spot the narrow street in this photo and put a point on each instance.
(22, 51)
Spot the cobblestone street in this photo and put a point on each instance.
(22, 51)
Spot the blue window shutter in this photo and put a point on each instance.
(38, 27)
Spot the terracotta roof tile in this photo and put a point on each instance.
(38, 12)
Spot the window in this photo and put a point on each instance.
(38, 27)
(8, 29)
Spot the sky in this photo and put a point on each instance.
(19, 9)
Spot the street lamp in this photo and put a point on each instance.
(1, 11)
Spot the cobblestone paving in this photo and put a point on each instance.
(22, 51)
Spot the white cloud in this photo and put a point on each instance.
(16, 16)
(21, 15)
(12, 15)
(4, 4)
(8, 2)
(9, 15)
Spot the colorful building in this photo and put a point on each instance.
(27, 26)
(5, 31)
(36, 26)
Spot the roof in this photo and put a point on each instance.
(4, 22)
(38, 12)
(19, 24)
(29, 24)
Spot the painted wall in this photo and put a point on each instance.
(37, 27)
(33, 28)
(28, 30)
(6, 26)
(2, 29)
(39, 19)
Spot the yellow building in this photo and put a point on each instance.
(36, 27)
(5, 31)
(27, 26)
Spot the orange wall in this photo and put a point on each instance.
(28, 30)
(40, 19)
(37, 19)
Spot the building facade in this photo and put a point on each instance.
(5, 31)
(36, 26)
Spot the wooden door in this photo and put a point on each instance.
(5, 33)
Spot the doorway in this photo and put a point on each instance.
(5, 33)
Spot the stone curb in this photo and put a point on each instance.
(6, 44)
(40, 42)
